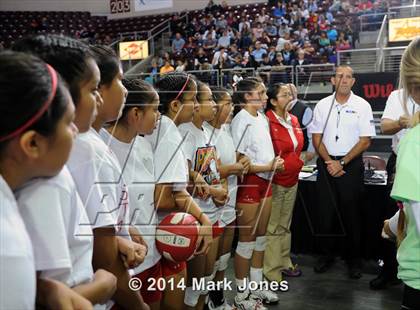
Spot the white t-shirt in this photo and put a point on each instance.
(170, 163)
(58, 227)
(137, 160)
(345, 125)
(17, 265)
(394, 109)
(251, 137)
(98, 177)
(226, 150)
(203, 158)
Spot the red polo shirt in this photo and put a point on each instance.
(283, 143)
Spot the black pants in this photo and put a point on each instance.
(411, 299)
(389, 250)
(340, 210)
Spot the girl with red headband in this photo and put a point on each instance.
(52, 208)
(36, 137)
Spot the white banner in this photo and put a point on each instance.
(147, 5)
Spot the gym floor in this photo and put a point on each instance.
(332, 290)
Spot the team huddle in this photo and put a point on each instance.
(91, 163)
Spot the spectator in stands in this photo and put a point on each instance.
(325, 44)
(257, 30)
(243, 24)
(279, 10)
(258, 52)
(181, 65)
(309, 50)
(233, 51)
(272, 53)
(314, 33)
(283, 29)
(178, 44)
(210, 31)
(332, 33)
(190, 46)
(220, 56)
(342, 43)
(271, 29)
(221, 23)
(200, 58)
(301, 32)
(364, 6)
(281, 41)
(312, 6)
(224, 39)
(298, 63)
(1, 45)
(288, 54)
(209, 43)
(265, 40)
(263, 17)
(167, 67)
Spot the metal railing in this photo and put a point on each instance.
(381, 42)
(361, 60)
(228, 77)
(373, 21)
(276, 74)
(392, 58)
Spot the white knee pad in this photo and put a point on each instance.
(224, 261)
(260, 243)
(191, 297)
(245, 249)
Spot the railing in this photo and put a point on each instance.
(381, 43)
(402, 11)
(361, 60)
(228, 77)
(392, 58)
(210, 77)
(374, 21)
(276, 74)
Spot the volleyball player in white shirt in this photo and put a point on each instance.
(230, 168)
(203, 162)
(134, 153)
(51, 208)
(35, 140)
(177, 94)
(251, 136)
(98, 177)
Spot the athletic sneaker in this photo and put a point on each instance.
(248, 304)
(224, 306)
(266, 296)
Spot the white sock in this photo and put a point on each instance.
(256, 274)
(241, 294)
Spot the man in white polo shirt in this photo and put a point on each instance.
(341, 130)
(395, 121)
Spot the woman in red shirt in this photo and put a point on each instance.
(287, 138)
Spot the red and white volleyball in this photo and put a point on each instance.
(176, 236)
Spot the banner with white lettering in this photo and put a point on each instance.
(375, 87)
(147, 5)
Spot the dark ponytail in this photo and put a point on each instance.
(18, 106)
(108, 62)
(140, 94)
(69, 57)
(243, 87)
(170, 87)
